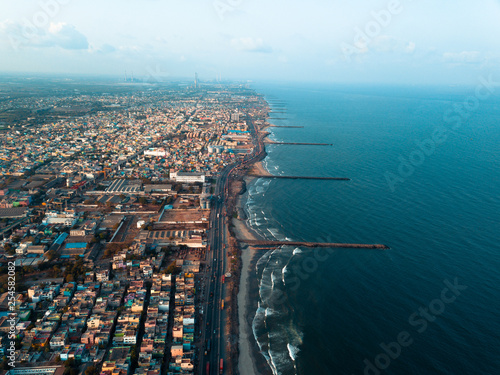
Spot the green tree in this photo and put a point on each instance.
(173, 269)
(5, 364)
(9, 249)
(133, 355)
(91, 370)
(69, 363)
(51, 255)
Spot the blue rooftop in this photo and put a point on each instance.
(61, 238)
(76, 245)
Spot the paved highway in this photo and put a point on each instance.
(213, 323)
(214, 293)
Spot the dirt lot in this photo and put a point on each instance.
(187, 215)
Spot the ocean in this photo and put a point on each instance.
(424, 169)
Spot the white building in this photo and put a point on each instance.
(189, 177)
(53, 217)
(58, 341)
(156, 152)
(130, 338)
(215, 149)
(21, 249)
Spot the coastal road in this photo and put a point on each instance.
(213, 322)
(214, 317)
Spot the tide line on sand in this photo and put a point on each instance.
(246, 362)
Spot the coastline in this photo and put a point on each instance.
(250, 360)
(258, 169)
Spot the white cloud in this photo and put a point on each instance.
(103, 49)
(464, 57)
(54, 35)
(250, 44)
(66, 36)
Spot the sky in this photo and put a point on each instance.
(346, 41)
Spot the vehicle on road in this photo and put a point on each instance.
(207, 348)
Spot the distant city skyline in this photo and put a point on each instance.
(392, 41)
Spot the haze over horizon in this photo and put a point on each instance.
(332, 41)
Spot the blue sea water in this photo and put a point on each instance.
(334, 311)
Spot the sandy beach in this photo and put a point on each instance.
(258, 170)
(245, 360)
(250, 361)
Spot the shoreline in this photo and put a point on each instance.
(250, 359)
(257, 170)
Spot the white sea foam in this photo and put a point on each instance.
(260, 189)
(297, 251)
(279, 358)
(272, 362)
(276, 335)
(267, 280)
(273, 232)
(292, 351)
(270, 312)
(264, 257)
(258, 319)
